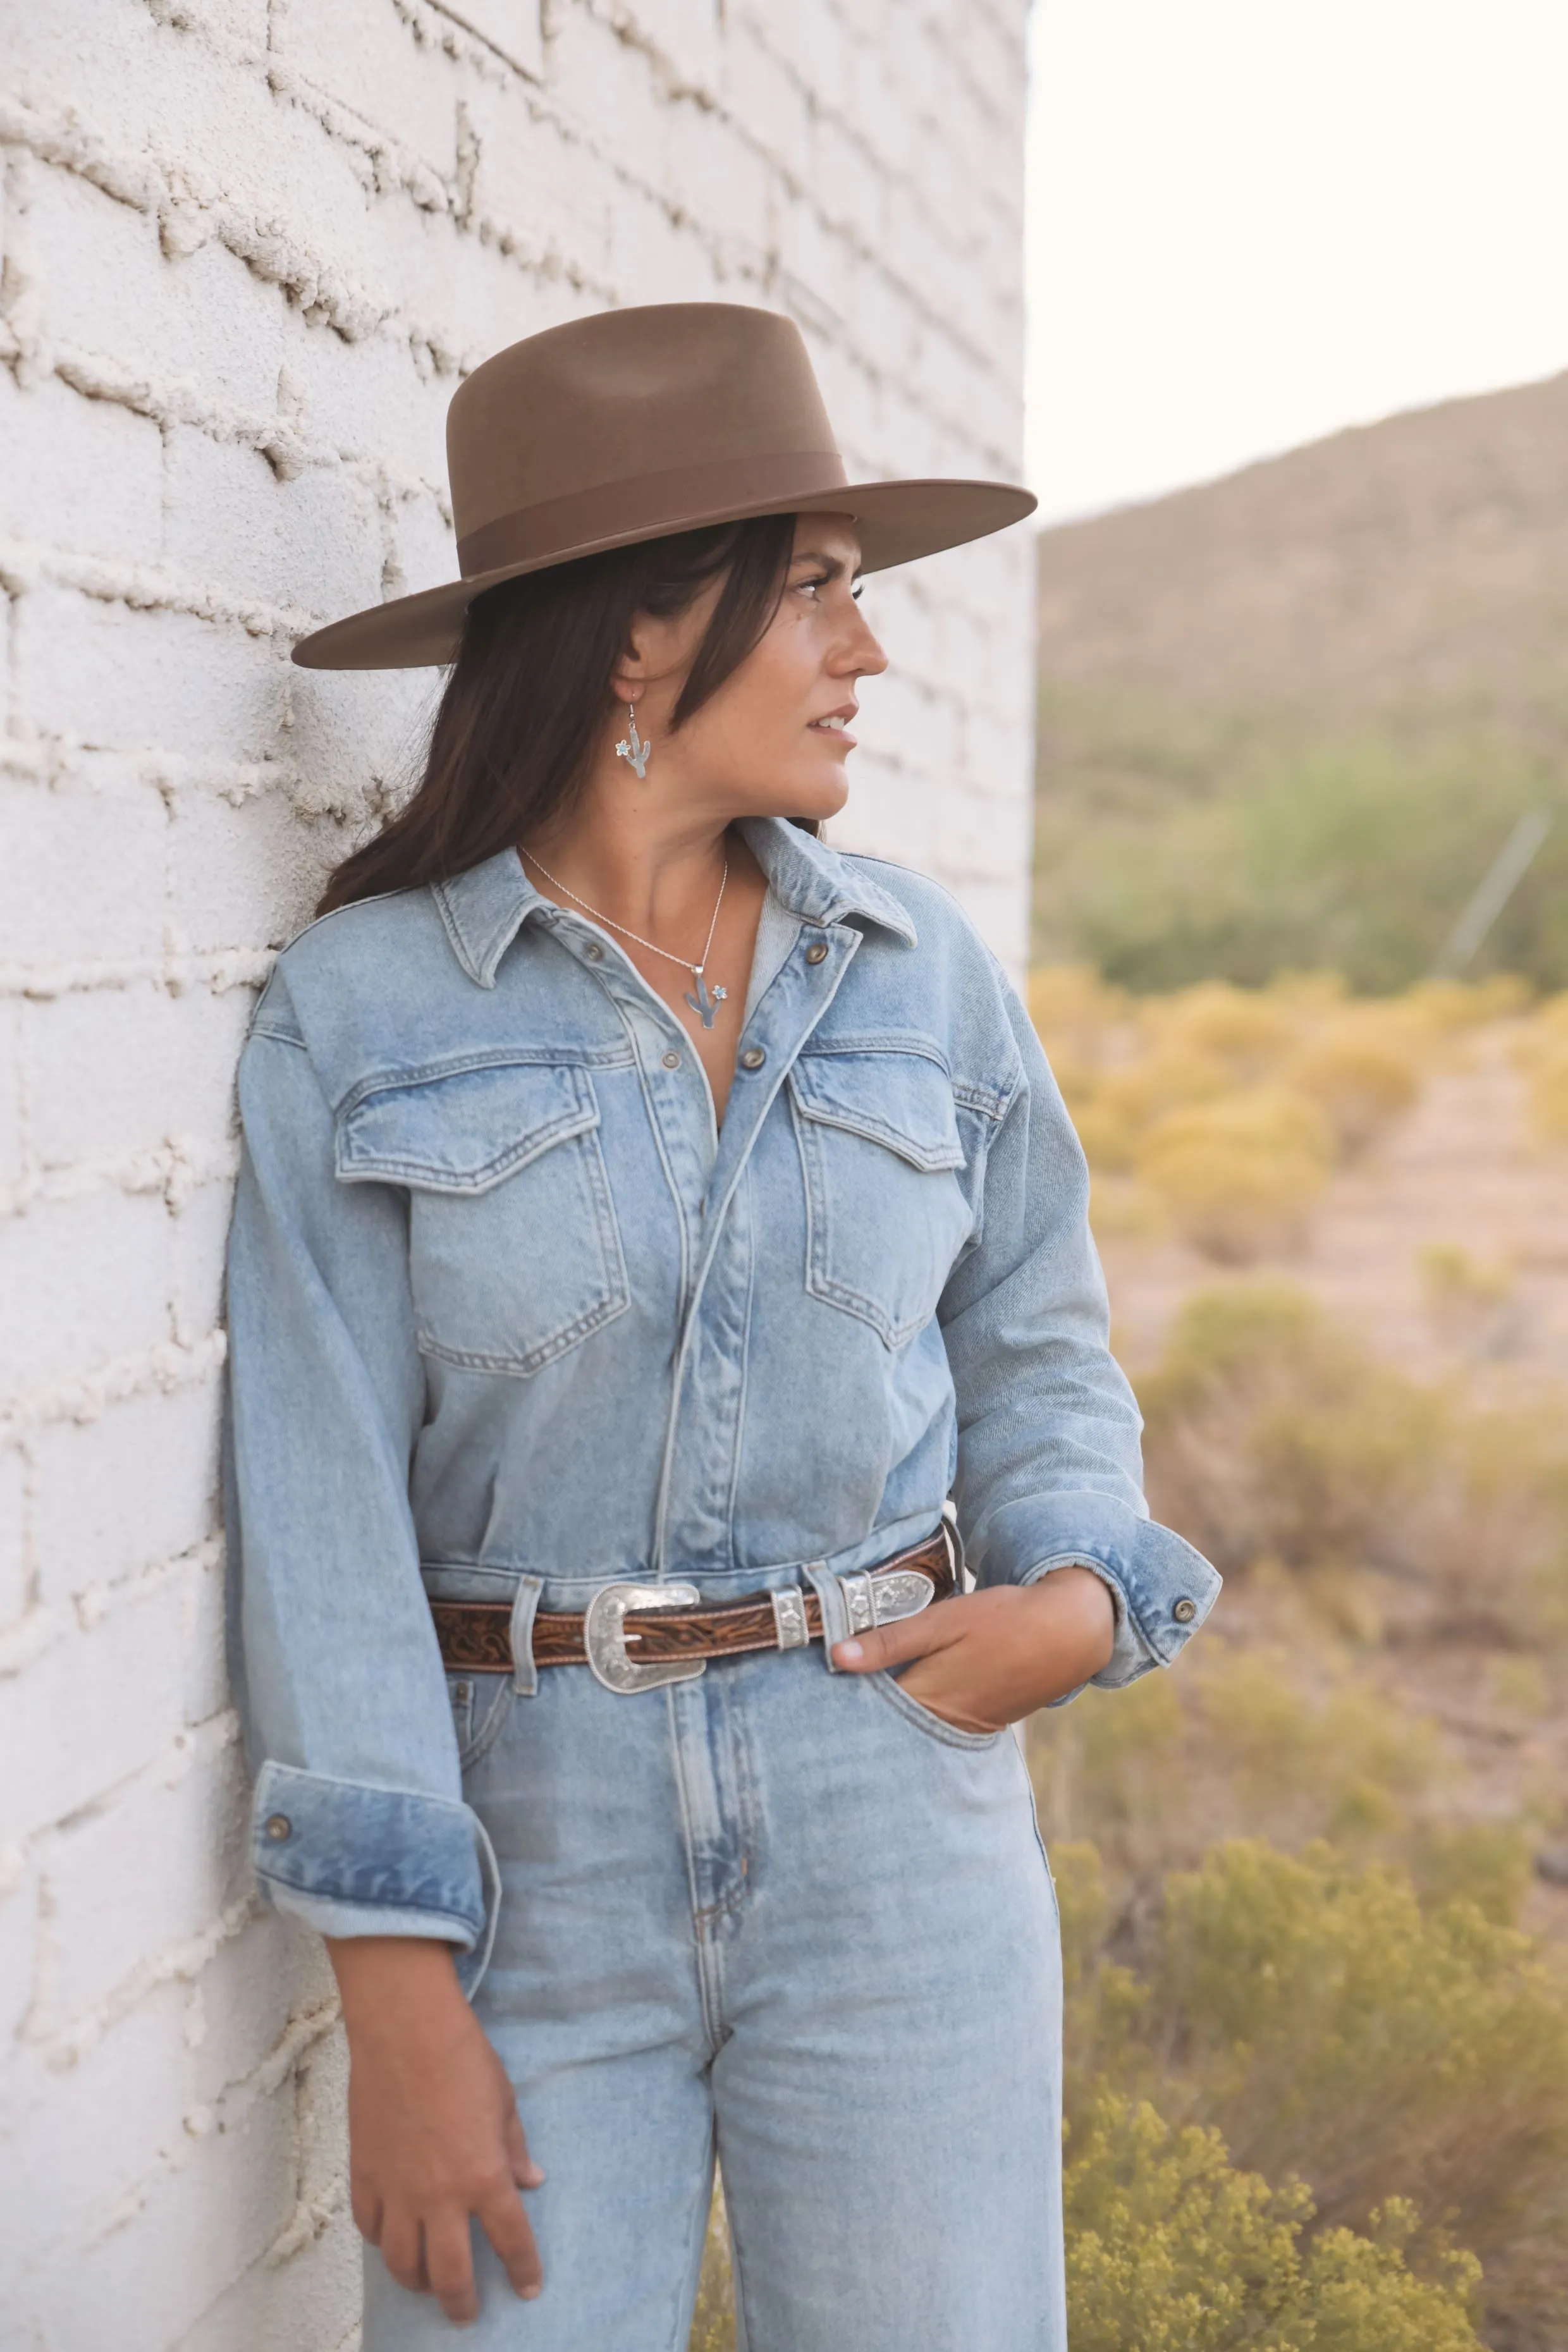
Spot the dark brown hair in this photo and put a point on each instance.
(530, 691)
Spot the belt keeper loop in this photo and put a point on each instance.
(824, 1581)
(525, 1673)
(962, 1575)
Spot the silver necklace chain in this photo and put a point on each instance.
(696, 969)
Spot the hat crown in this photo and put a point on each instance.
(629, 394)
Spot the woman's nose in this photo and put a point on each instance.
(864, 656)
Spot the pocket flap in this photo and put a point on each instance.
(901, 1099)
(463, 1131)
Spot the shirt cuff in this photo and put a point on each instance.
(1161, 1588)
(353, 1860)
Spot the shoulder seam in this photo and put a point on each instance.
(374, 899)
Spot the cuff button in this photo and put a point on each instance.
(1184, 1611)
(277, 1827)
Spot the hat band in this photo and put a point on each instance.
(648, 504)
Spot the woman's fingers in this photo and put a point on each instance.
(365, 2206)
(450, 2265)
(506, 2225)
(912, 1637)
(402, 2250)
(524, 2171)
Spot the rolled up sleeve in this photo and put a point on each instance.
(1049, 1469)
(358, 1826)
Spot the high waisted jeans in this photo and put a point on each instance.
(791, 1917)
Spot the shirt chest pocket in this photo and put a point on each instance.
(886, 1215)
(515, 1252)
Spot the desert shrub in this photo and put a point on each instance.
(1270, 1432)
(1234, 1104)
(1133, 1784)
(1362, 1072)
(1542, 1052)
(713, 2322)
(1250, 1031)
(1448, 1005)
(1078, 1015)
(1332, 2029)
(1170, 2248)
(1239, 1175)
(1116, 1116)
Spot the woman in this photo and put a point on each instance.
(648, 1217)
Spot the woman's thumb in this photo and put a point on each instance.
(892, 1645)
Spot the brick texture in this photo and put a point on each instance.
(248, 250)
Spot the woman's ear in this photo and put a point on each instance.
(633, 669)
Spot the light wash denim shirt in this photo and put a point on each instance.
(508, 1315)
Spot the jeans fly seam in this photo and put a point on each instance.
(706, 1914)
(707, 1989)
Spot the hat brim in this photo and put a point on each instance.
(897, 521)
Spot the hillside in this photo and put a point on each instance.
(1287, 718)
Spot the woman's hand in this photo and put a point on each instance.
(434, 2135)
(983, 1659)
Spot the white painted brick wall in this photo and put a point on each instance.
(248, 247)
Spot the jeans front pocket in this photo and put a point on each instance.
(880, 1151)
(480, 1703)
(925, 1719)
(514, 1252)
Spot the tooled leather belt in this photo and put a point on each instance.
(636, 1635)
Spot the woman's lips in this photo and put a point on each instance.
(834, 723)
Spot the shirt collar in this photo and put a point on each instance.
(484, 909)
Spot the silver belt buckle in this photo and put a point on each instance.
(881, 1596)
(604, 1636)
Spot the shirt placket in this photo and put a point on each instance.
(695, 1521)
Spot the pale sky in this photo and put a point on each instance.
(1251, 221)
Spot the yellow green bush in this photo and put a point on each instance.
(1542, 1052)
(1239, 1175)
(1362, 1072)
(1190, 1089)
(1333, 2029)
(1250, 1740)
(1272, 1434)
(1269, 1432)
(1249, 1030)
(1171, 2249)
(713, 2322)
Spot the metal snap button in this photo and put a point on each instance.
(594, 952)
(277, 1827)
(817, 952)
(753, 1058)
(672, 1060)
(1184, 1611)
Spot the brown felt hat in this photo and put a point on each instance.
(630, 426)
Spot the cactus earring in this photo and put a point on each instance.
(634, 748)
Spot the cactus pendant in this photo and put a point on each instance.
(702, 1003)
(634, 748)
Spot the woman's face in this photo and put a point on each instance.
(774, 740)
